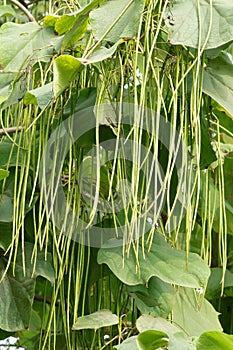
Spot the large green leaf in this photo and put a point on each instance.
(116, 19)
(157, 299)
(213, 340)
(186, 27)
(192, 316)
(167, 263)
(218, 82)
(98, 319)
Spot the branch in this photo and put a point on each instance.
(11, 130)
(24, 9)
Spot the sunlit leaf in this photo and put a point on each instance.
(66, 69)
(213, 340)
(151, 340)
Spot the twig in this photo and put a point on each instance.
(24, 9)
(11, 130)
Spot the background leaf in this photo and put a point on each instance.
(102, 318)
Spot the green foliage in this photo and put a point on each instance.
(214, 340)
(150, 340)
(218, 81)
(205, 26)
(164, 284)
(159, 262)
(98, 319)
(3, 174)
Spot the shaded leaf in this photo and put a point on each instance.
(16, 298)
(208, 155)
(98, 319)
(214, 203)
(43, 267)
(156, 299)
(214, 285)
(218, 82)
(8, 154)
(5, 235)
(6, 200)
